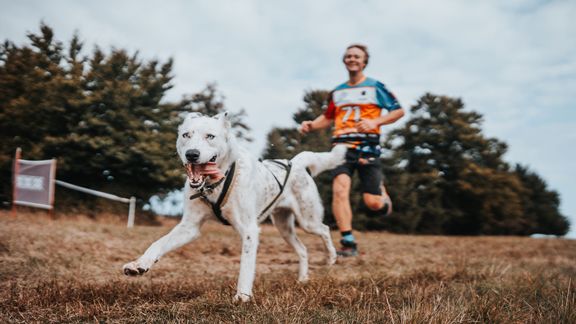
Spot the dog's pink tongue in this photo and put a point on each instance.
(210, 169)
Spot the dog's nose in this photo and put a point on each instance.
(192, 155)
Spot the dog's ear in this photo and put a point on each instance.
(194, 114)
(223, 118)
(221, 115)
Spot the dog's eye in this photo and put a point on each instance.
(186, 135)
(209, 136)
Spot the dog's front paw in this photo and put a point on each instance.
(242, 298)
(331, 259)
(134, 268)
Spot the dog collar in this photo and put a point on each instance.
(210, 187)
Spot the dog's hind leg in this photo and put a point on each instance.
(284, 220)
(183, 233)
(309, 214)
(313, 225)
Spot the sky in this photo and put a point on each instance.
(512, 61)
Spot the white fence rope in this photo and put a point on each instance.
(92, 192)
(131, 201)
(35, 162)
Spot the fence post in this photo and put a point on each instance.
(14, 179)
(52, 189)
(131, 212)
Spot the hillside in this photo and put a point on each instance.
(69, 270)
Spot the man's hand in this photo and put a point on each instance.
(305, 127)
(320, 122)
(366, 125)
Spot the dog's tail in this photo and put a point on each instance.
(318, 162)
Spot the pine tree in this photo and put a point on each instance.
(444, 175)
(101, 116)
(451, 179)
(31, 81)
(541, 205)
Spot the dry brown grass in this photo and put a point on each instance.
(69, 270)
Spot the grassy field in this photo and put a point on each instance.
(69, 270)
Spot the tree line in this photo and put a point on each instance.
(103, 115)
(443, 174)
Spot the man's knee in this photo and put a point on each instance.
(373, 202)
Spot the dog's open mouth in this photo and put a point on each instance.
(196, 178)
(198, 173)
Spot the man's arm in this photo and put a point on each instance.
(319, 123)
(367, 124)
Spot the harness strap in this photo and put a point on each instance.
(222, 198)
(288, 167)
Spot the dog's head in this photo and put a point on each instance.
(202, 144)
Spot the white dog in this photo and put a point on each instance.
(227, 182)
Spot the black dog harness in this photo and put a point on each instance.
(228, 181)
(287, 166)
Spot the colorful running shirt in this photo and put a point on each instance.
(349, 104)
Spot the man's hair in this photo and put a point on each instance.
(361, 47)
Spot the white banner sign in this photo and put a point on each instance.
(34, 183)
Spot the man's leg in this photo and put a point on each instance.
(374, 192)
(379, 202)
(343, 213)
(341, 202)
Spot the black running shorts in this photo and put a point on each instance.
(370, 174)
